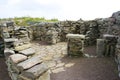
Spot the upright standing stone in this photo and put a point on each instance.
(111, 41)
(75, 44)
(100, 47)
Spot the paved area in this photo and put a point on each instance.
(70, 68)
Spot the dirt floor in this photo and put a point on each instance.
(3, 70)
(83, 68)
(88, 69)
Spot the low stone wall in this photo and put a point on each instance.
(21, 60)
(93, 29)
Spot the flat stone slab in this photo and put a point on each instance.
(108, 36)
(16, 58)
(22, 47)
(75, 36)
(10, 40)
(27, 52)
(29, 63)
(34, 72)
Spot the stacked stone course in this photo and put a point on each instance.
(20, 59)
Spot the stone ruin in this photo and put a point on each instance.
(25, 63)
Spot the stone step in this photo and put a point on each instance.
(22, 47)
(28, 52)
(16, 58)
(34, 72)
(29, 63)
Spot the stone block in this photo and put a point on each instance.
(75, 44)
(75, 36)
(16, 58)
(34, 72)
(100, 47)
(22, 47)
(28, 52)
(10, 40)
(29, 63)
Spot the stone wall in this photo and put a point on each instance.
(56, 32)
(21, 60)
(53, 33)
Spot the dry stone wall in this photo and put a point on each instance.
(20, 59)
(53, 33)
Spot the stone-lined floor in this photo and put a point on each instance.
(52, 55)
(68, 68)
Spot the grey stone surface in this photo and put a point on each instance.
(22, 47)
(75, 44)
(16, 58)
(28, 52)
(75, 36)
(35, 71)
(10, 40)
(29, 63)
(100, 47)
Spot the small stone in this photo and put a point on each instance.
(69, 64)
(60, 64)
(58, 70)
